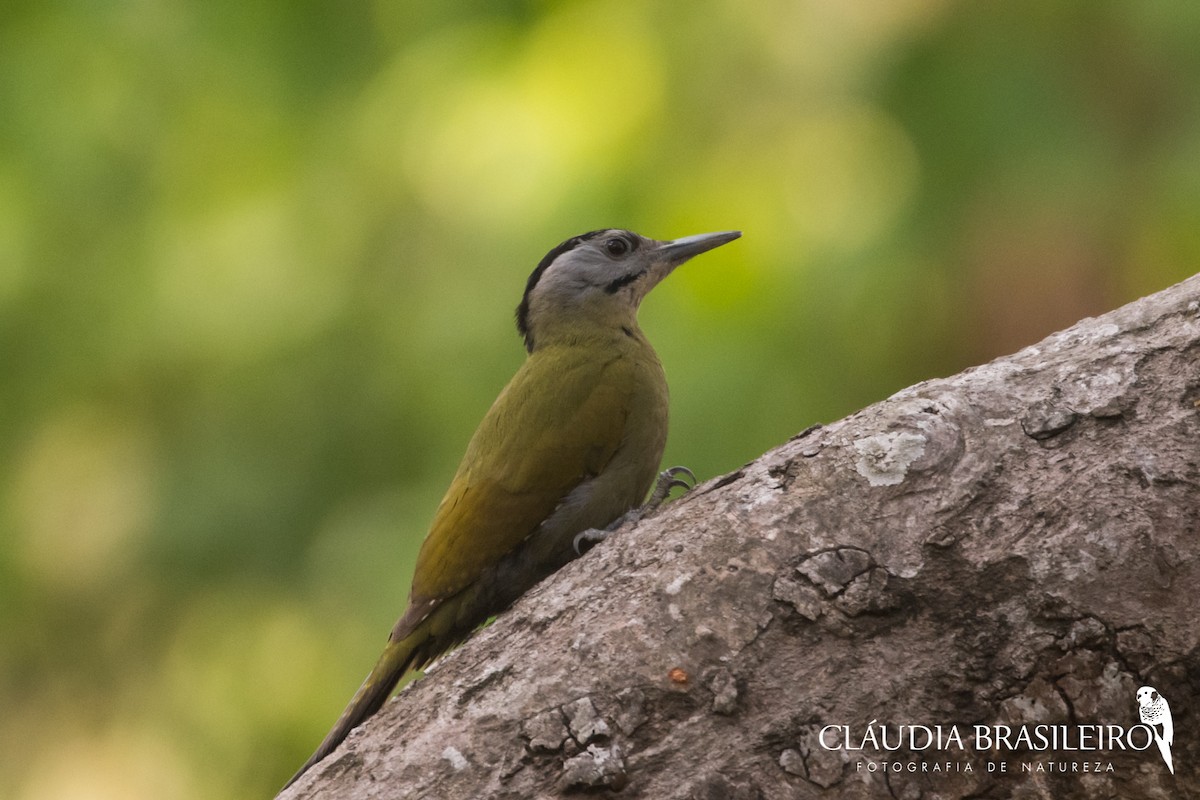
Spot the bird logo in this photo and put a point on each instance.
(1155, 713)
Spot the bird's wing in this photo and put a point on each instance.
(1168, 724)
(557, 423)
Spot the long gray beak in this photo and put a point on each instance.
(680, 250)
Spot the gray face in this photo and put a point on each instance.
(613, 262)
(588, 269)
(603, 275)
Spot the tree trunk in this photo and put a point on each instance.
(1012, 546)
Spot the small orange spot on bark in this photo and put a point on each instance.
(678, 675)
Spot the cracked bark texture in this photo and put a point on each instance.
(1013, 544)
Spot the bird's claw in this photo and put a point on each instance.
(669, 479)
(592, 536)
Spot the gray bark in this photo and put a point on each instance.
(1014, 545)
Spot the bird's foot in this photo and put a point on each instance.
(592, 536)
(668, 479)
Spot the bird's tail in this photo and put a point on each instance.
(398, 657)
(1164, 747)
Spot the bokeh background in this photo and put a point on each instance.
(258, 265)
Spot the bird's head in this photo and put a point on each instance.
(595, 281)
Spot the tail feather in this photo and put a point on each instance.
(398, 657)
(426, 630)
(1164, 747)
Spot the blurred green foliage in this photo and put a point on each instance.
(258, 264)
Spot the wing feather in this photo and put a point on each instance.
(558, 422)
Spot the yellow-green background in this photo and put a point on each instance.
(258, 263)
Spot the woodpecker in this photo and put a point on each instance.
(570, 446)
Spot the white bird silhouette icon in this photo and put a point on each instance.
(1155, 712)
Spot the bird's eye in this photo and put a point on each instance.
(616, 246)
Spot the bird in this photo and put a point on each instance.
(1155, 712)
(569, 448)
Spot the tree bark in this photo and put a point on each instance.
(1012, 546)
